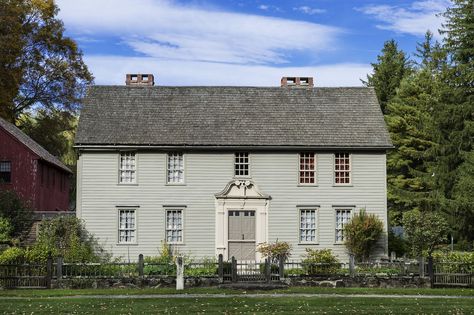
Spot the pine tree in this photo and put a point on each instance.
(455, 118)
(391, 67)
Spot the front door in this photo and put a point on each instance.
(242, 234)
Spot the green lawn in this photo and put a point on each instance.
(314, 290)
(238, 305)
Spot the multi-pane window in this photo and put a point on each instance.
(342, 168)
(174, 226)
(127, 226)
(175, 168)
(308, 225)
(128, 168)
(342, 218)
(5, 172)
(242, 164)
(307, 168)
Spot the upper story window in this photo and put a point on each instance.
(127, 226)
(128, 168)
(308, 225)
(342, 168)
(5, 172)
(342, 218)
(174, 226)
(175, 168)
(307, 173)
(241, 164)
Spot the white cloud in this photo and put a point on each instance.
(308, 10)
(415, 19)
(167, 30)
(112, 70)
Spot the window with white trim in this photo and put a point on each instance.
(5, 172)
(307, 174)
(342, 218)
(175, 168)
(342, 168)
(128, 168)
(127, 226)
(174, 226)
(308, 225)
(242, 164)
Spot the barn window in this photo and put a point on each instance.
(128, 168)
(5, 172)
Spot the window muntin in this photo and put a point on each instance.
(128, 168)
(175, 168)
(241, 164)
(342, 168)
(174, 226)
(127, 226)
(342, 218)
(5, 172)
(307, 169)
(308, 226)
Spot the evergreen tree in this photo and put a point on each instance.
(454, 118)
(391, 67)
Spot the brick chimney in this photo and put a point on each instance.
(140, 79)
(299, 82)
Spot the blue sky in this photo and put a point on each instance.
(237, 42)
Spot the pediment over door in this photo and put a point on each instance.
(241, 189)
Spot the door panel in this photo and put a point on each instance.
(242, 234)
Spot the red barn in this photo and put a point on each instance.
(32, 172)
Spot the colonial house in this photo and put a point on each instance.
(219, 170)
(33, 173)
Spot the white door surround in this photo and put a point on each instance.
(240, 195)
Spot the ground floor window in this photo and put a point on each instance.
(127, 226)
(174, 225)
(308, 225)
(342, 218)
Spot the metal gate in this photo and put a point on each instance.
(19, 276)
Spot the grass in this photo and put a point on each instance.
(214, 290)
(239, 305)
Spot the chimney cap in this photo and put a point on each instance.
(134, 79)
(297, 82)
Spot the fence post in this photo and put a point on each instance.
(234, 269)
(141, 265)
(431, 271)
(281, 268)
(59, 267)
(49, 271)
(422, 266)
(221, 268)
(351, 265)
(179, 273)
(268, 270)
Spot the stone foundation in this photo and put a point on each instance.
(380, 281)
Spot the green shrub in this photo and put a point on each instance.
(362, 233)
(17, 212)
(424, 231)
(275, 251)
(207, 268)
(163, 264)
(12, 255)
(6, 230)
(397, 244)
(320, 261)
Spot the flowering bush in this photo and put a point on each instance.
(275, 251)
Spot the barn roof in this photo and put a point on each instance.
(32, 145)
(348, 117)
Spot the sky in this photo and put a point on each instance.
(243, 43)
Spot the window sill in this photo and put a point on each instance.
(175, 244)
(306, 244)
(126, 244)
(307, 185)
(119, 184)
(338, 243)
(342, 185)
(177, 184)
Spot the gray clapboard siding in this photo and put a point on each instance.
(275, 173)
